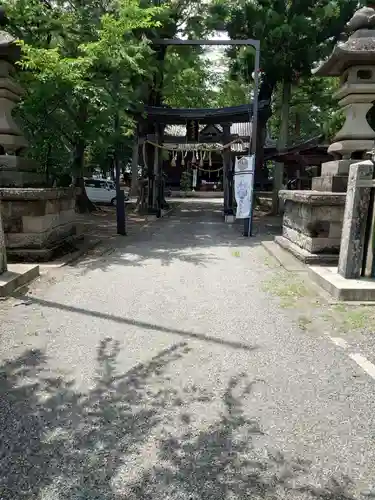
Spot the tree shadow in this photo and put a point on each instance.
(192, 231)
(60, 444)
(225, 461)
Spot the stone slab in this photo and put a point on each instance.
(12, 179)
(316, 244)
(305, 256)
(17, 163)
(350, 290)
(33, 224)
(16, 276)
(36, 193)
(46, 239)
(40, 254)
(80, 248)
(314, 197)
(284, 258)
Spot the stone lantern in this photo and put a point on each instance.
(312, 221)
(37, 220)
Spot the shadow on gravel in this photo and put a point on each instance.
(134, 436)
(185, 236)
(29, 299)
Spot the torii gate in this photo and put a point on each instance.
(255, 110)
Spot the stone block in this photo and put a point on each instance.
(17, 164)
(17, 276)
(317, 244)
(336, 167)
(44, 239)
(13, 179)
(305, 256)
(334, 183)
(312, 222)
(335, 230)
(34, 224)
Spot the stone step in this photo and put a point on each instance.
(16, 276)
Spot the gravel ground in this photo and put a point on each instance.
(164, 370)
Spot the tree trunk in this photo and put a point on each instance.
(265, 94)
(48, 164)
(281, 145)
(83, 204)
(297, 126)
(135, 162)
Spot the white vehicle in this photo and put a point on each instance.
(102, 191)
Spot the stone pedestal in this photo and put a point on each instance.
(3, 255)
(16, 171)
(312, 224)
(37, 221)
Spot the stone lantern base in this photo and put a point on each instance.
(37, 221)
(312, 225)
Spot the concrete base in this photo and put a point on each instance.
(16, 276)
(230, 219)
(361, 290)
(304, 255)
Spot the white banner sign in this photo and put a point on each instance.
(195, 177)
(243, 185)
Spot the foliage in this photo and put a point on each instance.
(185, 182)
(88, 65)
(294, 35)
(83, 66)
(313, 109)
(188, 79)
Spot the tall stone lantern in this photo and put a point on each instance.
(312, 221)
(37, 220)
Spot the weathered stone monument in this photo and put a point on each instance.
(354, 278)
(312, 223)
(36, 219)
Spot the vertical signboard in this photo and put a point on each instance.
(244, 185)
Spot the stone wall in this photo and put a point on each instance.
(37, 221)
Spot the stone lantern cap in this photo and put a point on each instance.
(359, 49)
(9, 49)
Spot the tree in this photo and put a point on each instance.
(313, 109)
(294, 35)
(73, 55)
(187, 78)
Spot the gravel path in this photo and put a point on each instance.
(162, 370)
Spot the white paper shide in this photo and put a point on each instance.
(243, 185)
